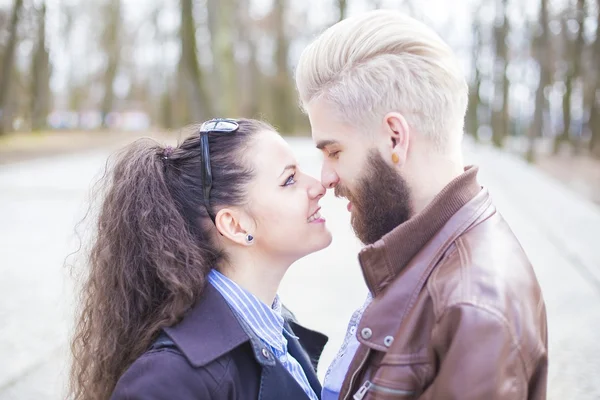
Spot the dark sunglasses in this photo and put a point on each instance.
(218, 125)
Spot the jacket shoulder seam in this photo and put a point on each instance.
(464, 262)
(432, 282)
(214, 389)
(497, 315)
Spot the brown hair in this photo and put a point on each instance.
(151, 250)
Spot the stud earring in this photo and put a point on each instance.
(249, 239)
(395, 158)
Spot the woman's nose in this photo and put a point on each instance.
(315, 189)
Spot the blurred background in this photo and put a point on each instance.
(79, 79)
(134, 65)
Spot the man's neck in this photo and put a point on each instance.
(427, 182)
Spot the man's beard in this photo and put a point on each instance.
(380, 202)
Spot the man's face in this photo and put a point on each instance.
(379, 198)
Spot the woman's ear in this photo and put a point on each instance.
(234, 224)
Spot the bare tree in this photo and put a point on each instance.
(472, 117)
(342, 9)
(250, 77)
(222, 23)
(541, 50)
(8, 64)
(376, 4)
(40, 76)
(573, 61)
(594, 123)
(191, 74)
(500, 116)
(111, 45)
(283, 107)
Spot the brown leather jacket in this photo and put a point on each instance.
(457, 310)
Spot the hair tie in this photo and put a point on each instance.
(167, 152)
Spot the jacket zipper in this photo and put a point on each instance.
(368, 386)
(355, 374)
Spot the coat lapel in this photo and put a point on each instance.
(306, 350)
(277, 383)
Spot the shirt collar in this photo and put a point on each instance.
(267, 322)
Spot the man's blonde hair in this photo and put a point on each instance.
(383, 61)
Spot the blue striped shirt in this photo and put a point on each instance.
(334, 378)
(265, 321)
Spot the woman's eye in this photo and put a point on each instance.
(290, 181)
(334, 154)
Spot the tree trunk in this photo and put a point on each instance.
(542, 52)
(501, 119)
(224, 60)
(7, 65)
(342, 8)
(376, 4)
(166, 109)
(112, 48)
(594, 123)
(255, 84)
(192, 80)
(474, 97)
(574, 52)
(250, 79)
(40, 75)
(282, 87)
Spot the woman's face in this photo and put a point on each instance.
(284, 201)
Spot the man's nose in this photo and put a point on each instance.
(329, 178)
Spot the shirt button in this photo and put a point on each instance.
(265, 353)
(353, 330)
(366, 333)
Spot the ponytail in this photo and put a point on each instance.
(146, 270)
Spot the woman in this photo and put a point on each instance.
(191, 245)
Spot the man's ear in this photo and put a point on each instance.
(397, 132)
(234, 225)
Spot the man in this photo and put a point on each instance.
(457, 312)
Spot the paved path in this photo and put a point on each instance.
(41, 201)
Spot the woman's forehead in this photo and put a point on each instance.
(272, 153)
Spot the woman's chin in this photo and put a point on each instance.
(321, 242)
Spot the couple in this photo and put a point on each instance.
(193, 241)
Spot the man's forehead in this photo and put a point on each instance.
(328, 135)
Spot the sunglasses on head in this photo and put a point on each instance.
(218, 125)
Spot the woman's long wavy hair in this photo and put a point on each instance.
(152, 248)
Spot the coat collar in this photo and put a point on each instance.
(400, 295)
(210, 330)
(382, 261)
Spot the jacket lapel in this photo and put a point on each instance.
(277, 383)
(307, 351)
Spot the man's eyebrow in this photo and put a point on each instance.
(324, 143)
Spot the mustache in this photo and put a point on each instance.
(340, 191)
